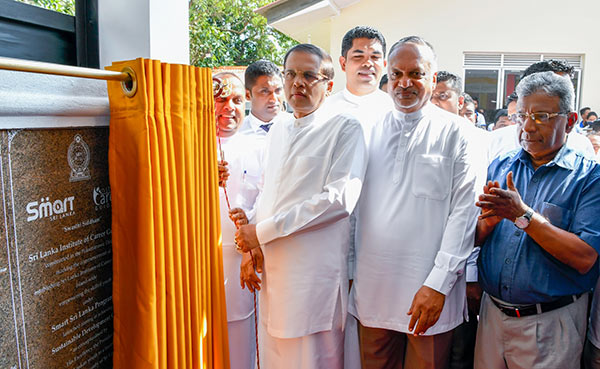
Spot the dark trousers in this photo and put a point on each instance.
(388, 349)
(462, 351)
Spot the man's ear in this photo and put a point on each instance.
(434, 81)
(461, 102)
(329, 88)
(248, 95)
(571, 121)
(343, 63)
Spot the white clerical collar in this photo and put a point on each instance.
(310, 118)
(358, 100)
(410, 118)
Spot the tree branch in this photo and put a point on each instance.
(234, 31)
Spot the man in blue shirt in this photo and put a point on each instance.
(540, 237)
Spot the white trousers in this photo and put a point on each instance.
(242, 344)
(351, 345)
(321, 350)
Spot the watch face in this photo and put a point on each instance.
(521, 222)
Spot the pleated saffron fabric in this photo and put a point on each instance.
(168, 294)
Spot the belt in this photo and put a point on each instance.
(526, 310)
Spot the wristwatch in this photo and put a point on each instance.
(523, 221)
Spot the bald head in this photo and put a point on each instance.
(229, 104)
(411, 73)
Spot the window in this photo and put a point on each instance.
(491, 77)
(483, 85)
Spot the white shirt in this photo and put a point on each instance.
(368, 109)
(506, 139)
(479, 142)
(416, 221)
(313, 174)
(251, 125)
(480, 120)
(244, 152)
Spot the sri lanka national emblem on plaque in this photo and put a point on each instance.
(79, 159)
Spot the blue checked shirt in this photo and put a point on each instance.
(566, 191)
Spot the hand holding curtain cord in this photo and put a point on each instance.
(240, 216)
(252, 263)
(246, 238)
(223, 172)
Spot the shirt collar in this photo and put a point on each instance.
(316, 116)
(411, 119)
(564, 158)
(255, 123)
(358, 100)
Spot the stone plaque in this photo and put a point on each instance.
(55, 252)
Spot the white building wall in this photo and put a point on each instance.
(455, 27)
(155, 29)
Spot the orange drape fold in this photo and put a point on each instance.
(168, 293)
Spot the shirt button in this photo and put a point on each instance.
(505, 288)
(517, 233)
(507, 261)
(534, 180)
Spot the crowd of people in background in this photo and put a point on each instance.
(389, 225)
(588, 124)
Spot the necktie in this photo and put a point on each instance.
(266, 126)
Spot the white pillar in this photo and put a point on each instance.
(155, 29)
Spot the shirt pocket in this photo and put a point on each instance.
(250, 178)
(557, 215)
(432, 177)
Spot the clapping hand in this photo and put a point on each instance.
(497, 203)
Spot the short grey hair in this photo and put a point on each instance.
(417, 40)
(550, 84)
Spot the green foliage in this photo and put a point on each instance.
(228, 32)
(61, 6)
(222, 32)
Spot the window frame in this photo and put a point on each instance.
(502, 67)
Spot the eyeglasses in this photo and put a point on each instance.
(538, 117)
(309, 77)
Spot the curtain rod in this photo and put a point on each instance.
(126, 77)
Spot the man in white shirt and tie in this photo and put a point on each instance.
(314, 168)
(264, 91)
(240, 156)
(416, 222)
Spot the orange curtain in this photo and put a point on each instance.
(168, 293)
